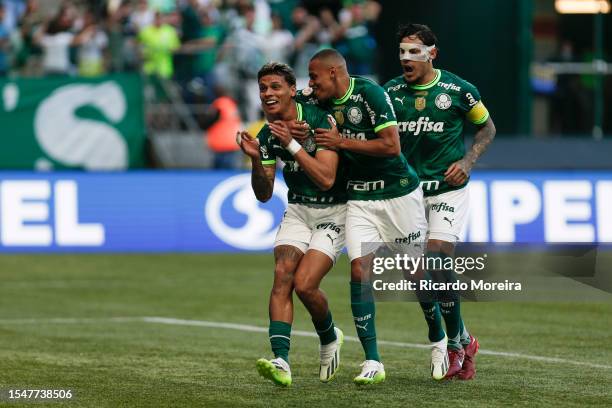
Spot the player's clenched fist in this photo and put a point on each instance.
(248, 144)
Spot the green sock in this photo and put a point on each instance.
(280, 339)
(448, 300)
(452, 317)
(464, 335)
(434, 321)
(325, 329)
(364, 313)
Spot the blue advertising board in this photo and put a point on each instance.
(172, 211)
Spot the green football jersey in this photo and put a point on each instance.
(364, 110)
(430, 121)
(301, 188)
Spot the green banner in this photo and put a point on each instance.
(72, 123)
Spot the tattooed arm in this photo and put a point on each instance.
(459, 171)
(262, 180)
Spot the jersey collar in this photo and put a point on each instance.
(348, 93)
(429, 84)
(298, 107)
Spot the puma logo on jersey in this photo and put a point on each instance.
(446, 219)
(400, 100)
(384, 116)
(330, 238)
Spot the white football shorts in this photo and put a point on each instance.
(446, 215)
(398, 220)
(312, 226)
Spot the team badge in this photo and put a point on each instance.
(354, 115)
(339, 116)
(309, 144)
(443, 101)
(404, 182)
(420, 103)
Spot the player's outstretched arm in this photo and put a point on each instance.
(386, 145)
(459, 171)
(321, 169)
(262, 177)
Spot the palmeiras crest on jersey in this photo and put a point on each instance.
(354, 115)
(309, 144)
(443, 101)
(420, 103)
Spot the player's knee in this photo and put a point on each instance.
(359, 269)
(440, 246)
(305, 291)
(283, 278)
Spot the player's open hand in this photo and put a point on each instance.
(299, 129)
(248, 144)
(328, 138)
(457, 173)
(281, 131)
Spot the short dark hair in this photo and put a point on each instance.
(277, 68)
(329, 55)
(420, 31)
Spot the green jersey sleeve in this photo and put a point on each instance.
(380, 108)
(471, 104)
(266, 153)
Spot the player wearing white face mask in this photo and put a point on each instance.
(431, 107)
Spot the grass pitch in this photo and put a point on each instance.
(55, 333)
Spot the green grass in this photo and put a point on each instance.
(134, 364)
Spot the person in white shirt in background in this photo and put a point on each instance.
(279, 42)
(93, 42)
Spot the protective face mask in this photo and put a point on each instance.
(415, 52)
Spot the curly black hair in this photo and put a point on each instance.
(421, 31)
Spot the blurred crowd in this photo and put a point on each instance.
(209, 51)
(200, 43)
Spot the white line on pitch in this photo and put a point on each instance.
(258, 329)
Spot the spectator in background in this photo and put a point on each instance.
(223, 123)
(4, 44)
(163, 6)
(306, 42)
(27, 58)
(283, 9)
(93, 42)
(190, 28)
(279, 42)
(243, 56)
(55, 39)
(141, 17)
(205, 50)
(121, 44)
(158, 42)
(357, 44)
(13, 9)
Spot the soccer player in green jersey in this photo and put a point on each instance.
(432, 106)
(385, 201)
(311, 234)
